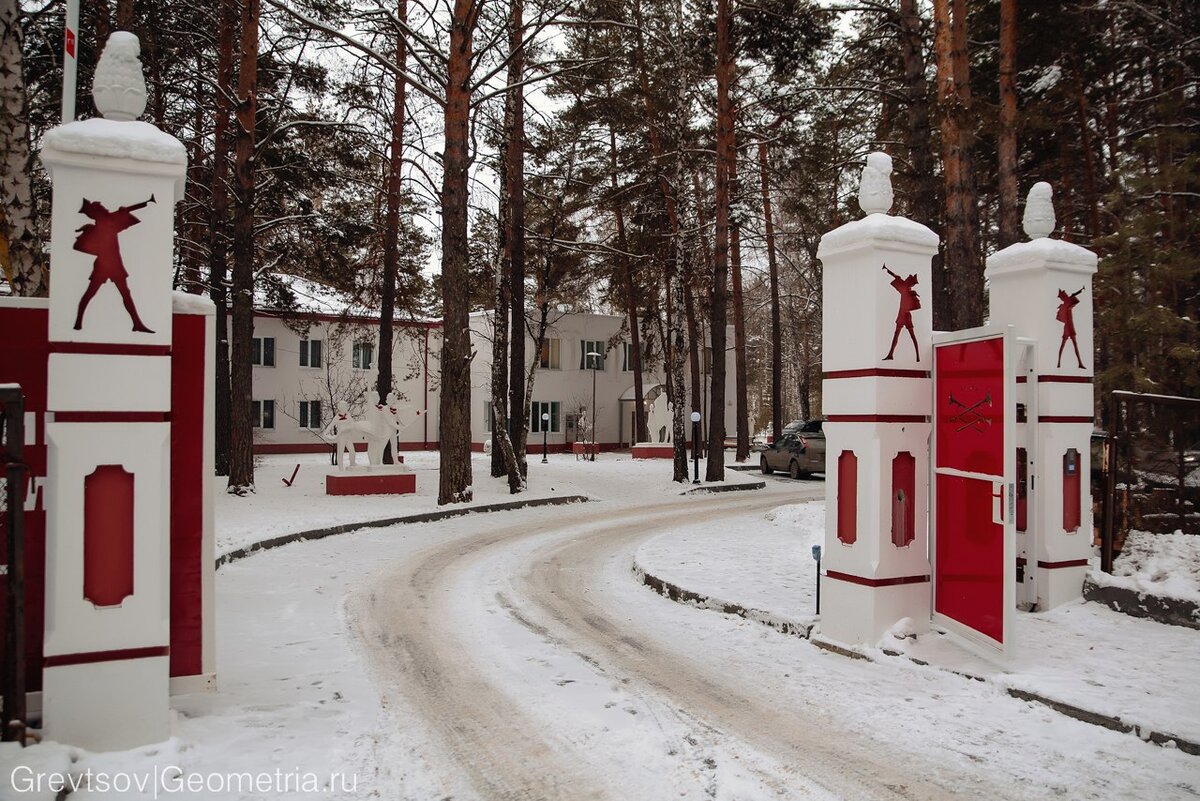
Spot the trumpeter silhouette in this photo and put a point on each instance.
(910, 301)
(1066, 316)
(99, 239)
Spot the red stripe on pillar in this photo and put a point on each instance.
(112, 417)
(876, 582)
(110, 349)
(1064, 379)
(876, 418)
(1065, 418)
(1068, 563)
(876, 372)
(92, 657)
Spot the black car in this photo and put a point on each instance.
(800, 451)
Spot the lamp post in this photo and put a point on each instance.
(593, 355)
(695, 447)
(816, 552)
(545, 427)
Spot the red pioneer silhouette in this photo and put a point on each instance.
(99, 239)
(1066, 316)
(910, 301)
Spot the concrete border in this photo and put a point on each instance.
(1171, 611)
(748, 485)
(245, 551)
(688, 597)
(793, 628)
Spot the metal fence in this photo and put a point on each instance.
(12, 527)
(1151, 468)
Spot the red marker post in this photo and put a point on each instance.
(70, 60)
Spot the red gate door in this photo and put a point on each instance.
(974, 536)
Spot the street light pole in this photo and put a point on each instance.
(695, 447)
(545, 426)
(593, 355)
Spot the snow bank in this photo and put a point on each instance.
(1167, 565)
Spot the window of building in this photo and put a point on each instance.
(550, 351)
(537, 409)
(262, 414)
(489, 416)
(310, 414)
(627, 357)
(363, 356)
(708, 360)
(262, 351)
(310, 353)
(587, 346)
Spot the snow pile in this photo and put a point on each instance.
(116, 139)
(1166, 565)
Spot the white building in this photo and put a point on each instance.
(306, 362)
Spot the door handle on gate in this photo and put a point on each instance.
(998, 503)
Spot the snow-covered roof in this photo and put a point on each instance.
(312, 297)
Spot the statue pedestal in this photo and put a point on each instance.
(653, 450)
(383, 480)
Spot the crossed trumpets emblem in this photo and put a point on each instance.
(969, 417)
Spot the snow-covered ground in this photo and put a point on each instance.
(1167, 565)
(1082, 654)
(275, 508)
(514, 656)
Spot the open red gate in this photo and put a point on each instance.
(973, 533)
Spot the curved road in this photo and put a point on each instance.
(544, 672)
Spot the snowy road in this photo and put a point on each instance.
(540, 670)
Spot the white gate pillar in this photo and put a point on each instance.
(1043, 288)
(115, 184)
(877, 397)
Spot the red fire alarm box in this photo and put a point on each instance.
(1072, 499)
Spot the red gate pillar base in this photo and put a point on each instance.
(876, 330)
(1043, 289)
(115, 184)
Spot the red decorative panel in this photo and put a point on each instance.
(108, 535)
(904, 486)
(970, 406)
(1072, 505)
(970, 556)
(847, 500)
(188, 372)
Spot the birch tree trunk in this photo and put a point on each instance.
(20, 257)
(241, 450)
(454, 424)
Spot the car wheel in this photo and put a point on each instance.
(765, 467)
(794, 469)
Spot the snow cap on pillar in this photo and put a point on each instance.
(119, 88)
(875, 185)
(1043, 287)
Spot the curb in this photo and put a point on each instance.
(1171, 611)
(749, 485)
(425, 517)
(804, 631)
(681, 595)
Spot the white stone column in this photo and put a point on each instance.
(115, 183)
(877, 357)
(1043, 288)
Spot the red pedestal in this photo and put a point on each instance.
(370, 483)
(654, 450)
